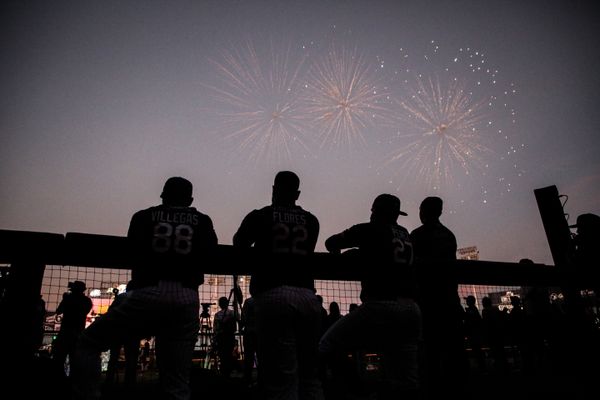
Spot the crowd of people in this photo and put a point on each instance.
(410, 313)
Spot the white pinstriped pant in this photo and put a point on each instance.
(168, 311)
(390, 326)
(288, 322)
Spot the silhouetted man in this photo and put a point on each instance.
(324, 315)
(74, 308)
(473, 330)
(168, 244)
(288, 314)
(587, 245)
(224, 338)
(388, 321)
(248, 324)
(131, 348)
(435, 252)
(494, 333)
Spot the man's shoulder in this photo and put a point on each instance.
(402, 229)
(361, 229)
(446, 230)
(145, 211)
(435, 228)
(364, 225)
(204, 217)
(259, 213)
(308, 214)
(261, 210)
(417, 230)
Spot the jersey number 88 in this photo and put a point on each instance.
(166, 237)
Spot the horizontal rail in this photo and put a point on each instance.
(104, 251)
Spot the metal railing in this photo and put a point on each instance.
(28, 254)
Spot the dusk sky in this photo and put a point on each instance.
(478, 102)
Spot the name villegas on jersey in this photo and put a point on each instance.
(175, 217)
(174, 229)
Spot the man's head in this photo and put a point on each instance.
(77, 286)
(177, 192)
(223, 302)
(470, 300)
(285, 188)
(430, 209)
(386, 208)
(486, 302)
(587, 225)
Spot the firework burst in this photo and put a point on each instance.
(450, 119)
(258, 108)
(343, 99)
(445, 125)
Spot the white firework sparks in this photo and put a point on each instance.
(451, 120)
(343, 98)
(258, 106)
(444, 124)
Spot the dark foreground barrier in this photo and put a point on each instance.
(28, 254)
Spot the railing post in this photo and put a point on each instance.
(21, 311)
(555, 225)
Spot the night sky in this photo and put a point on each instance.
(478, 102)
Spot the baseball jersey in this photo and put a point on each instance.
(387, 255)
(169, 243)
(285, 233)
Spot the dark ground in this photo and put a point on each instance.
(41, 380)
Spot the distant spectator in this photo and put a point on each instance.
(248, 326)
(334, 314)
(39, 321)
(494, 332)
(324, 315)
(224, 336)
(473, 331)
(131, 347)
(517, 329)
(587, 240)
(145, 356)
(73, 308)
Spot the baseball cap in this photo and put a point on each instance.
(388, 203)
(77, 286)
(587, 219)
